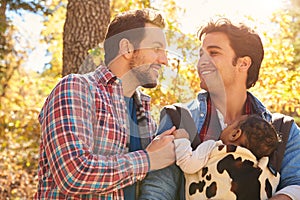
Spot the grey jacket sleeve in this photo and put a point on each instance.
(163, 184)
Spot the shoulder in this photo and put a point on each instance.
(285, 124)
(74, 83)
(195, 103)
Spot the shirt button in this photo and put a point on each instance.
(202, 115)
(119, 81)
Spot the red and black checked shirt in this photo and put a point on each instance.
(83, 143)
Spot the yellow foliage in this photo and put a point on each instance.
(20, 133)
(278, 87)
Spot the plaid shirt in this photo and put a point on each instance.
(83, 143)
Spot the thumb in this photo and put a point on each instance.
(168, 132)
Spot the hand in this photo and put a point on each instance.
(161, 150)
(161, 140)
(181, 133)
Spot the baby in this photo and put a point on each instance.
(235, 167)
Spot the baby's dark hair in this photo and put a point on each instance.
(262, 138)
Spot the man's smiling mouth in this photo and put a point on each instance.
(206, 71)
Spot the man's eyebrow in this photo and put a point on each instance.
(214, 47)
(209, 47)
(159, 43)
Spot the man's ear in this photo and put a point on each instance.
(244, 63)
(235, 135)
(125, 48)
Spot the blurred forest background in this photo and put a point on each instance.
(73, 31)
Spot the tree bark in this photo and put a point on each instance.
(3, 26)
(84, 28)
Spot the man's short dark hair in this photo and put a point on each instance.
(121, 25)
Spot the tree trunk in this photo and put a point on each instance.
(3, 26)
(3, 48)
(84, 28)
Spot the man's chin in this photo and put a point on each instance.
(149, 85)
(203, 86)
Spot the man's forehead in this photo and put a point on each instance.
(155, 31)
(154, 35)
(215, 39)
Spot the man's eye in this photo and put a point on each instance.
(157, 49)
(213, 53)
(160, 50)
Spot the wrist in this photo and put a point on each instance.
(148, 159)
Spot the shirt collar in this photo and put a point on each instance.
(258, 107)
(105, 76)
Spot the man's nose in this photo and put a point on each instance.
(203, 63)
(204, 60)
(163, 59)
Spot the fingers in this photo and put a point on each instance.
(162, 140)
(167, 135)
(168, 132)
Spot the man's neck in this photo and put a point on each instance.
(129, 81)
(234, 105)
(129, 87)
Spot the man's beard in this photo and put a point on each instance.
(143, 73)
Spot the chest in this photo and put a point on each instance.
(110, 125)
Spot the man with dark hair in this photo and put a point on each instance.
(96, 127)
(229, 64)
